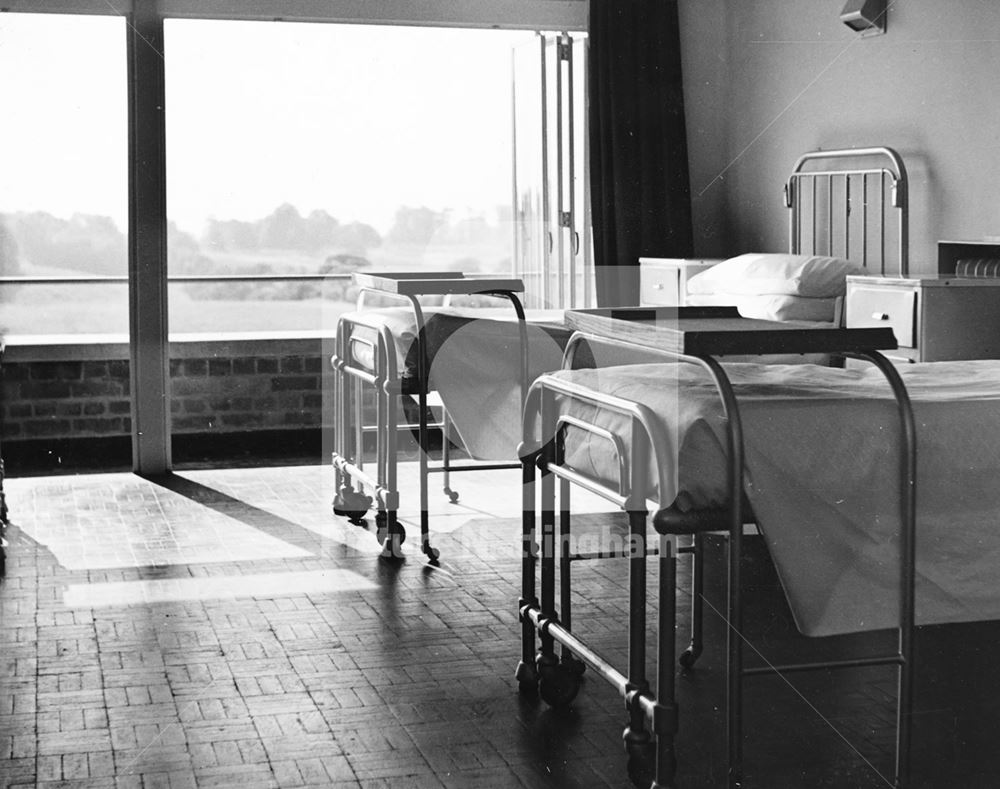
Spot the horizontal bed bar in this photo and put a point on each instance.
(887, 660)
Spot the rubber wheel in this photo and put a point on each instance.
(382, 528)
(391, 540)
(557, 685)
(641, 763)
(432, 554)
(688, 657)
(352, 505)
(527, 679)
(452, 495)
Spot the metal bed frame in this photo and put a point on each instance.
(653, 717)
(358, 485)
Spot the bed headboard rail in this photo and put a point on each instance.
(846, 203)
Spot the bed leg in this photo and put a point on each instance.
(446, 455)
(694, 649)
(665, 718)
(565, 577)
(526, 674)
(638, 741)
(558, 684)
(547, 552)
(423, 440)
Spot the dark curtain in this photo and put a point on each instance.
(640, 194)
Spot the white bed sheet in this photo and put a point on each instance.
(822, 477)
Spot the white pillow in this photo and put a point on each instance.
(757, 274)
(769, 307)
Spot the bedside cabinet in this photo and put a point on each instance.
(934, 318)
(663, 281)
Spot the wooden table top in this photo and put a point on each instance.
(721, 331)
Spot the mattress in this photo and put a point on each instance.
(822, 477)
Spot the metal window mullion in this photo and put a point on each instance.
(560, 177)
(546, 229)
(147, 240)
(571, 168)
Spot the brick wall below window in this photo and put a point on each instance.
(72, 389)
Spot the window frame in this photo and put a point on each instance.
(147, 227)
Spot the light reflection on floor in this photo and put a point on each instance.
(103, 521)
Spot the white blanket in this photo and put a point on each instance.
(822, 477)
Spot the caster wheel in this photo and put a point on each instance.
(382, 531)
(574, 665)
(391, 540)
(689, 657)
(527, 679)
(557, 685)
(351, 504)
(432, 554)
(641, 763)
(451, 494)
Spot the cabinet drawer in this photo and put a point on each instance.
(659, 286)
(884, 306)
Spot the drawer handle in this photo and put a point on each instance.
(658, 286)
(880, 316)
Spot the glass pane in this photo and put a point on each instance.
(531, 242)
(298, 150)
(63, 159)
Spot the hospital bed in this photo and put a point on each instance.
(671, 438)
(387, 355)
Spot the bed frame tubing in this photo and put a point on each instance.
(659, 712)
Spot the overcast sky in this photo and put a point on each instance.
(356, 120)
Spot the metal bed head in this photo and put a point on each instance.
(850, 211)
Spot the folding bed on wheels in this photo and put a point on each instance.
(387, 353)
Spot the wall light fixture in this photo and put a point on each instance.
(867, 17)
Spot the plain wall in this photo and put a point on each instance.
(767, 80)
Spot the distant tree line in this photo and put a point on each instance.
(94, 245)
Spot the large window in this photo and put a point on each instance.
(304, 149)
(63, 170)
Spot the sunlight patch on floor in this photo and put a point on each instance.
(103, 521)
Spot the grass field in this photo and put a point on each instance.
(103, 308)
(186, 315)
